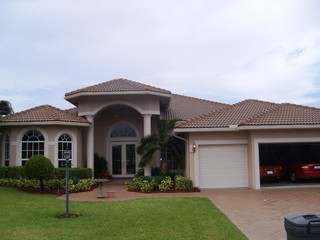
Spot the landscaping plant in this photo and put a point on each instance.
(39, 167)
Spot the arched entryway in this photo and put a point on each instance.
(123, 140)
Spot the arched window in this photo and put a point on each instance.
(7, 151)
(123, 130)
(64, 142)
(32, 144)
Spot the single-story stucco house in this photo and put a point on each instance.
(222, 140)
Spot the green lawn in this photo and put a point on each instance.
(28, 216)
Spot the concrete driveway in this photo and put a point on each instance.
(259, 214)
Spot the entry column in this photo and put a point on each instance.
(147, 131)
(90, 143)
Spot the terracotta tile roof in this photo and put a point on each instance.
(119, 85)
(255, 113)
(183, 107)
(287, 114)
(45, 113)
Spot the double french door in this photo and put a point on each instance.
(123, 158)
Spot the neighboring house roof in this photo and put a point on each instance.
(45, 114)
(255, 113)
(118, 85)
(184, 107)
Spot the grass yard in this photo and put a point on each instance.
(28, 216)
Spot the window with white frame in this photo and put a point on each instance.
(7, 151)
(64, 142)
(32, 144)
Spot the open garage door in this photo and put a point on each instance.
(289, 161)
(223, 166)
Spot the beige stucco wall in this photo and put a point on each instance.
(91, 105)
(274, 136)
(254, 137)
(193, 138)
(108, 118)
(51, 134)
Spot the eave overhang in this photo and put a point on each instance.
(245, 128)
(42, 123)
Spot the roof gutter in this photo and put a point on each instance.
(44, 123)
(240, 128)
(79, 94)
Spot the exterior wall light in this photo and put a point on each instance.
(194, 147)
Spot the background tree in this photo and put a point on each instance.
(39, 167)
(5, 108)
(163, 142)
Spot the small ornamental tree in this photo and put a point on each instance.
(39, 167)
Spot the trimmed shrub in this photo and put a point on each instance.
(39, 167)
(82, 185)
(166, 184)
(147, 186)
(53, 184)
(13, 172)
(132, 186)
(74, 173)
(158, 180)
(183, 183)
(144, 184)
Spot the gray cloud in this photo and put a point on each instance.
(221, 50)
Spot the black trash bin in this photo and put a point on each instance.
(302, 227)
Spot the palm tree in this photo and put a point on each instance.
(163, 142)
(5, 108)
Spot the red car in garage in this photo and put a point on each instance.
(274, 172)
(303, 169)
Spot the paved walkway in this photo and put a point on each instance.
(259, 214)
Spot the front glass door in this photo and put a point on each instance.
(123, 159)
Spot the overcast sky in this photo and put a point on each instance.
(224, 51)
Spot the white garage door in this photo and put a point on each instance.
(223, 166)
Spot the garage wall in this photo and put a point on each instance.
(274, 136)
(216, 137)
(222, 166)
(212, 139)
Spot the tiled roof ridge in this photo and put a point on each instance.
(275, 107)
(44, 113)
(130, 82)
(287, 109)
(229, 108)
(195, 118)
(299, 105)
(201, 99)
(40, 107)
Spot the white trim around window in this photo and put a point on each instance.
(74, 148)
(19, 143)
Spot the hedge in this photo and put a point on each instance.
(17, 172)
(162, 183)
(53, 184)
(74, 173)
(12, 172)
